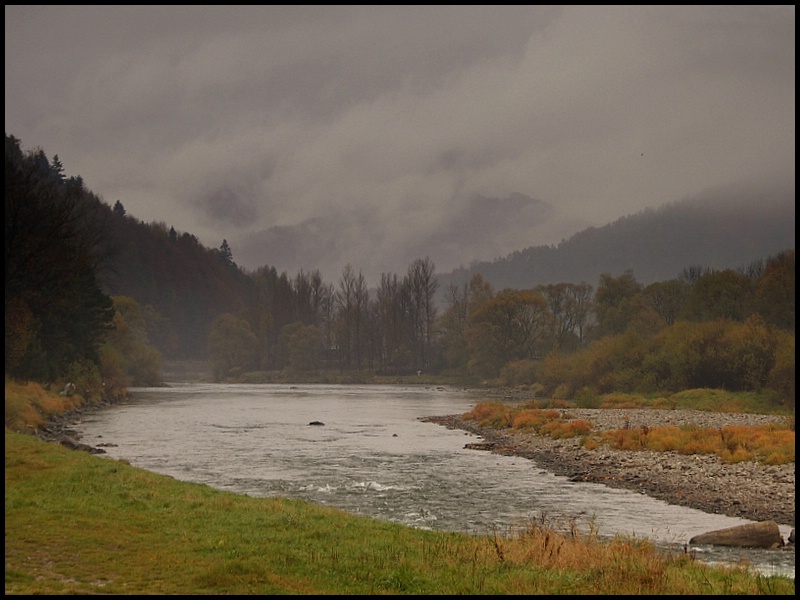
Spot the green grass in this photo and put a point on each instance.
(77, 523)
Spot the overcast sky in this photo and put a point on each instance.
(312, 137)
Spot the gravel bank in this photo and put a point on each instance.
(748, 490)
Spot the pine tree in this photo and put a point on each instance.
(226, 254)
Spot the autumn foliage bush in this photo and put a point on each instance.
(723, 354)
(491, 414)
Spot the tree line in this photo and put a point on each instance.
(87, 284)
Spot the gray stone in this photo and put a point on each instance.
(765, 534)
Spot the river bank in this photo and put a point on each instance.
(747, 490)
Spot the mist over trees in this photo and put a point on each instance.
(717, 231)
(90, 284)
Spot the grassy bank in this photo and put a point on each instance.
(79, 524)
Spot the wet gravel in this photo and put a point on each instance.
(748, 490)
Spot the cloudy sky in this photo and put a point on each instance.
(312, 137)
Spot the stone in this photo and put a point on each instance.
(765, 534)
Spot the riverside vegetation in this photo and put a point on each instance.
(77, 523)
(772, 444)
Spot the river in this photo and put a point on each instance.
(371, 455)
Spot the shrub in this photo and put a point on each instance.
(563, 392)
(535, 418)
(491, 414)
(587, 397)
(623, 401)
(518, 372)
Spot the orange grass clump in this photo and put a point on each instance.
(567, 429)
(769, 444)
(626, 564)
(491, 414)
(28, 405)
(535, 418)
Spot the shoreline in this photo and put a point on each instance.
(744, 490)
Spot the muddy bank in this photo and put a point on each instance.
(748, 490)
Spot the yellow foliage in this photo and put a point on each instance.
(737, 456)
(664, 403)
(664, 439)
(28, 405)
(491, 414)
(707, 445)
(535, 418)
(623, 401)
(591, 443)
(570, 429)
(769, 444)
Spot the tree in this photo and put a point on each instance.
(128, 355)
(56, 241)
(303, 344)
(226, 254)
(451, 327)
(667, 298)
(422, 286)
(393, 324)
(510, 326)
(353, 301)
(720, 295)
(231, 346)
(616, 303)
(775, 290)
(569, 305)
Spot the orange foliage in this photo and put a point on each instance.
(28, 405)
(769, 444)
(535, 418)
(491, 414)
(623, 401)
(570, 429)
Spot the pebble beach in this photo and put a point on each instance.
(748, 490)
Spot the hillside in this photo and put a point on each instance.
(180, 284)
(184, 285)
(655, 244)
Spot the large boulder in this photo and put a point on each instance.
(765, 534)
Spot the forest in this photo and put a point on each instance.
(95, 296)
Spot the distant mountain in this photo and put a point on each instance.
(715, 231)
(374, 242)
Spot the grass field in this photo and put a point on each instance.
(77, 523)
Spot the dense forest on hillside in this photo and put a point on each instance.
(655, 244)
(89, 285)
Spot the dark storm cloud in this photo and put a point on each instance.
(376, 135)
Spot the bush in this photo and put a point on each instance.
(587, 397)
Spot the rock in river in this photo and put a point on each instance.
(765, 534)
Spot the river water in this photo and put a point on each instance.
(373, 456)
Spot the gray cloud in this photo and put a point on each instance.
(376, 135)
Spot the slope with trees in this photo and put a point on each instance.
(655, 244)
(56, 238)
(67, 253)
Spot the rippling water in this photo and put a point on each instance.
(373, 456)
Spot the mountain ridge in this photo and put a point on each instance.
(656, 244)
